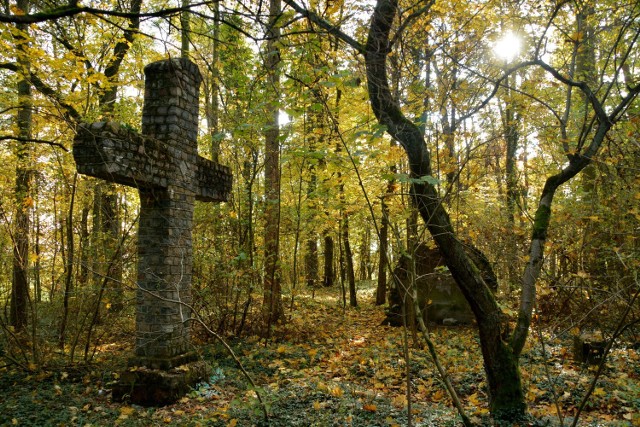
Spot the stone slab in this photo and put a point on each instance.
(159, 387)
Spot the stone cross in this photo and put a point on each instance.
(164, 165)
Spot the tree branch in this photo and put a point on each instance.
(70, 112)
(35, 140)
(72, 10)
(329, 27)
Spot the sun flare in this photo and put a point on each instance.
(508, 47)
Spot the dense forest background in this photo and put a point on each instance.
(530, 126)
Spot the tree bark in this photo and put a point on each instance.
(107, 229)
(185, 29)
(19, 303)
(329, 272)
(383, 247)
(510, 121)
(272, 302)
(348, 260)
(212, 105)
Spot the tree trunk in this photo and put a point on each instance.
(107, 229)
(84, 249)
(329, 273)
(212, 89)
(348, 260)
(70, 258)
(272, 302)
(501, 364)
(511, 136)
(365, 255)
(311, 263)
(313, 131)
(20, 282)
(185, 30)
(383, 244)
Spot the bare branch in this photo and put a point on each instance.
(326, 25)
(35, 140)
(72, 10)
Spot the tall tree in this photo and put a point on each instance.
(22, 191)
(106, 209)
(272, 302)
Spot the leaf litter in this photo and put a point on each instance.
(329, 366)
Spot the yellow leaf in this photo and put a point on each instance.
(312, 352)
(481, 412)
(370, 407)
(14, 422)
(473, 399)
(233, 423)
(337, 391)
(281, 349)
(599, 391)
(317, 406)
(127, 410)
(399, 401)
(28, 202)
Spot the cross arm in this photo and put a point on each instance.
(214, 181)
(106, 150)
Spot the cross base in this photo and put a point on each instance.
(162, 363)
(159, 387)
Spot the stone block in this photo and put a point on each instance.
(158, 387)
(588, 349)
(439, 297)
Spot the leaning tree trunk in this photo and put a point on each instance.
(501, 364)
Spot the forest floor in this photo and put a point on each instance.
(332, 367)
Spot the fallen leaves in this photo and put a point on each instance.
(344, 366)
(370, 407)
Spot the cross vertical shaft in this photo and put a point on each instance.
(170, 115)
